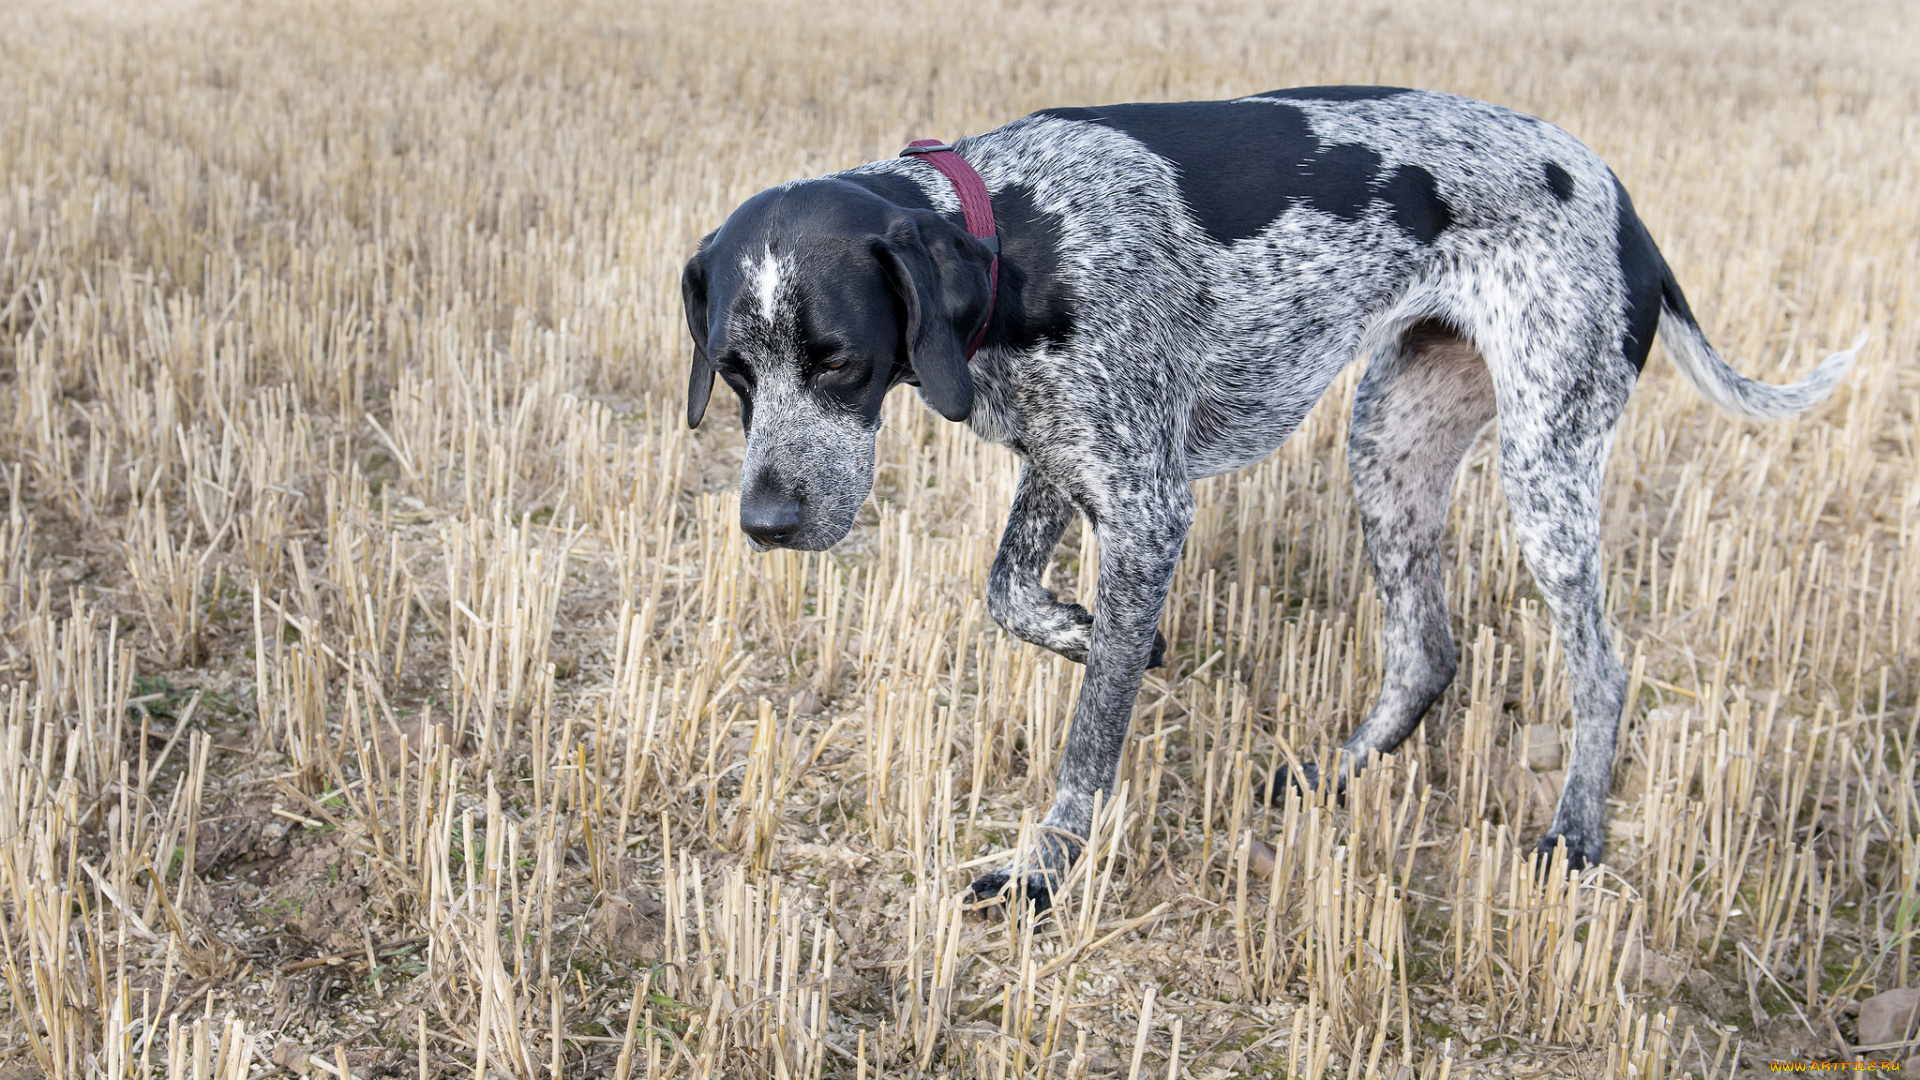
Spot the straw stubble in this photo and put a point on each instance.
(389, 688)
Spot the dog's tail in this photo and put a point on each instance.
(1729, 389)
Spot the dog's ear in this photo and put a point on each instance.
(693, 293)
(940, 274)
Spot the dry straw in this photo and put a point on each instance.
(388, 689)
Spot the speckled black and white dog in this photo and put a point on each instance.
(1178, 285)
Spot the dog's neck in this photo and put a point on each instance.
(1032, 305)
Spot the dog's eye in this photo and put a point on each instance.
(735, 373)
(834, 359)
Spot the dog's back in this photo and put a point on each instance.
(1260, 244)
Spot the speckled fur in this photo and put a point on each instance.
(1191, 357)
(793, 443)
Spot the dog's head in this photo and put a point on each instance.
(811, 302)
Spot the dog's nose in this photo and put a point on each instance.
(769, 518)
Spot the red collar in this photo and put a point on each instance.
(975, 207)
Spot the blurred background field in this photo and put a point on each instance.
(389, 690)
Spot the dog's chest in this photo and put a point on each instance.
(996, 414)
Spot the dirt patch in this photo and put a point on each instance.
(325, 1061)
(632, 925)
(316, 895)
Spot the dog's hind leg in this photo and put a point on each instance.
(1416, 413)
(1558, 409)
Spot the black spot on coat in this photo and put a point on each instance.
(1033, 304)
(1559, 182)
(1416, 203)
(1644, 275)
(1338, 179)
(1242, 164)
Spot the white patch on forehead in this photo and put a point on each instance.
(766, 280)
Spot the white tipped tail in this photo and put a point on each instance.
(1736, 393)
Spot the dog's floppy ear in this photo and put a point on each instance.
(940, 274)
(693, 293)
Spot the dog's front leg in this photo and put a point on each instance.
(1016, 598)
(1139, 546)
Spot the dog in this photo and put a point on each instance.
(1161, 293)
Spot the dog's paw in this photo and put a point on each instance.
(1306, 782)
(1581, 852)
(1068, 632)
(996, 890)
(1031, 881)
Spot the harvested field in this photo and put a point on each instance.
(389, 690)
